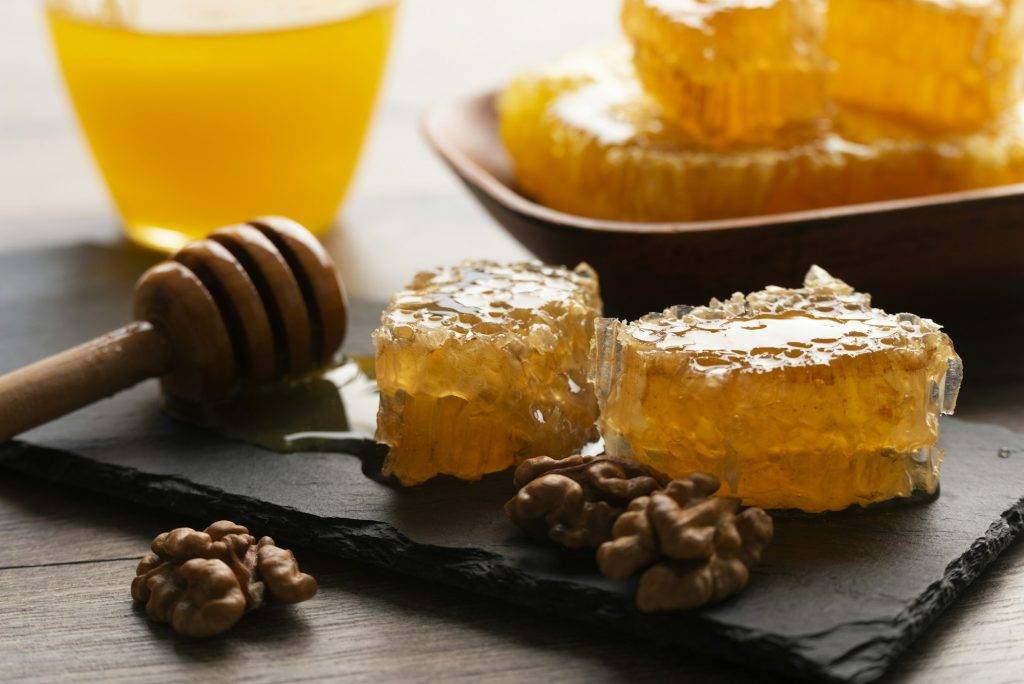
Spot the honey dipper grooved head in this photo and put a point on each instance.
(251, 303)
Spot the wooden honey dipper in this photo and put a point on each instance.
(249, 304)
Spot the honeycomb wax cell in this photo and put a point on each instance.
(796, 399)
(898, 160)
(586, 139)
(939, 63)
(731, 70)
(483, 365)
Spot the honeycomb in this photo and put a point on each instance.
(730, 70)
(483, 365)
(905, 163)
(795, 398)
(940, 63)
(586, 139)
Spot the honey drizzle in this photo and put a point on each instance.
(331, 410)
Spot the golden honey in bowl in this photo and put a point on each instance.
(733, 71)
(941, 64)
(203, 114)
(586, 138)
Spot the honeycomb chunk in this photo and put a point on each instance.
(586, 139)
(892, 160)
(483, 365)
(940, 63)
(796, 399)
(731, 70)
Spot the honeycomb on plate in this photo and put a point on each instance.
(731, 70)
(483, 365)
(802, 398)
(586, 139)
(939, 63)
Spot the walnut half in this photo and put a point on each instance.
(696, 549)
(201, 583)
(575, 501)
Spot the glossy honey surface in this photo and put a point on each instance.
(483, 365)
(197, 130)
(808, 399)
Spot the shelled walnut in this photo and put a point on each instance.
(696, 549)
(575, 501)
(201, 583)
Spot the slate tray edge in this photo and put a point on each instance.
(870, 663)
(381, 544)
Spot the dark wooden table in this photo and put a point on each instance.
(66, 558)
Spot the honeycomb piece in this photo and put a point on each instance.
(796, 399)
(483, 365)
(587, 140)
(889, 159)
(946, 64)
(731, 70)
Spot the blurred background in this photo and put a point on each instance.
(406, 211)
(403, 207)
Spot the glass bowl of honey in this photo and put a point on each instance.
(202, 113)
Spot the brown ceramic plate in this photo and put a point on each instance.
(955, 257)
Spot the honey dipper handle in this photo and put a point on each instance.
(65, 382)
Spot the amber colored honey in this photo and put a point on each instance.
(942, 64)
(483, 365)
(735, 71)
(587, 139)
(194, 131)
(807, 399)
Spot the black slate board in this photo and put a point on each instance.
(838, 597)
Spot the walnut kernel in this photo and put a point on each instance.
(201, 583)
(575, 501)
(696, 549)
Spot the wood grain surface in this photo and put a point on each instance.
(66, 559)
